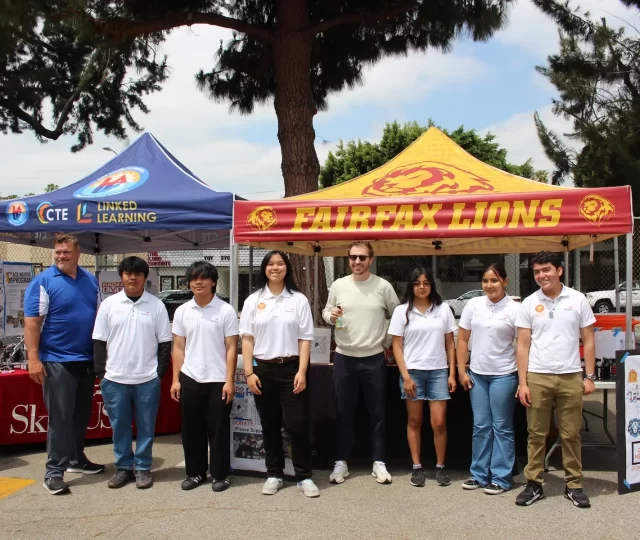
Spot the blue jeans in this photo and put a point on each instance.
(122, 401)
(493, 449)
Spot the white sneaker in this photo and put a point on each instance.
(380, 473)
(309, 488)
(272, 485)
(340, 472)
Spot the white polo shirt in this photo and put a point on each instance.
(205, 353)
(555, 339)
(132, 332)
(276, 322)
(423, 345)
(493, 330)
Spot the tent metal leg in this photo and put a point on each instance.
(566, 267)
(233, 275)
(316, 298)
(307, 276)
(250, 269)
(629, 286)
(616, 271)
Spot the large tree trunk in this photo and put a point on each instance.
(295, 110)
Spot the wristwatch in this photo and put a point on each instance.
(591, 377)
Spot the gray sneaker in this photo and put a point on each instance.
(55, 485)
(121, 478)
(143, 479)
(442, 476)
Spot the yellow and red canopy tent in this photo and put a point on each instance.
(435, 198)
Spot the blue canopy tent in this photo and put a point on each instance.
(142, 200)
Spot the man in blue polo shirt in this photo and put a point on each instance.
(60, 307)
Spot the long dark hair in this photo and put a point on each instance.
(289, 282)
(434, 297)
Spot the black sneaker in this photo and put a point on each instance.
(87, 468)
(472, 483)
(577, 497)
(494, 489)
(417, 477)
(530, 494)
(220, 485)
(442, 477)
(121, 478)
(192, 482)
(55, 485)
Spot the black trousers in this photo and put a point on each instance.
(68, 397)
(206, 428)
(278, 401)
(351, 373)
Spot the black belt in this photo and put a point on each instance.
(278, 360)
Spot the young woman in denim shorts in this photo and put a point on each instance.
(422, 328)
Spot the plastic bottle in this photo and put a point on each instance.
(340, 320)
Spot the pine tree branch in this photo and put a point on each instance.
(119, 29)
(368, 18)
(624, 69)
(37, 127)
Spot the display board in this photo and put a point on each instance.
(247, 448)
(628, 419)
(15, 280)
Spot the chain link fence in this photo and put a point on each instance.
(592, 270)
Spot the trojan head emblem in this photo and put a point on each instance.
(633, 376)
(262, 218)
(596, 209)
(427, 178)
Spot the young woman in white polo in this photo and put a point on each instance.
(422, 328)
(277, 329)
(489, 322)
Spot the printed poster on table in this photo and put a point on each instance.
(17, 277)
(628, 420)
(247, 448)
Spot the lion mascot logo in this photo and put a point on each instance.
(427, 178)
(262, 218)
(596, 209)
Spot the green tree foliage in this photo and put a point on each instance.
(597, 74)
(354, 158)
(76, 53)
(48, 66)
(51, 187)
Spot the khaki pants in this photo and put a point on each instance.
(566, 390)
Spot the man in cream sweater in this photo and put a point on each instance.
(360, 305)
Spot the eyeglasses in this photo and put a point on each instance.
(355, 258)
(421, 283)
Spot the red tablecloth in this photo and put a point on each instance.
(23, 416)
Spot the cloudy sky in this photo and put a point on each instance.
(489, 86)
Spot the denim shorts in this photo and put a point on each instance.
(431, 385)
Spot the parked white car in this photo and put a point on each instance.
(457, 304)
(605, 301)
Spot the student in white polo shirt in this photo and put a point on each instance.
(490, 322)
(132, 349)
(550, 324)
(422, 328)
(205, 354)
(277, 329)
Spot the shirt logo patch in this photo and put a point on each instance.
(261, 306)
(539, 308)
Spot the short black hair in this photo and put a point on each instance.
(204, 270)
(134, 265)
(547, 257)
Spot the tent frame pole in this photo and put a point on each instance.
(629, 297)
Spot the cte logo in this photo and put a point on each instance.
(17, 213)
(47, 213)
(114, 183)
